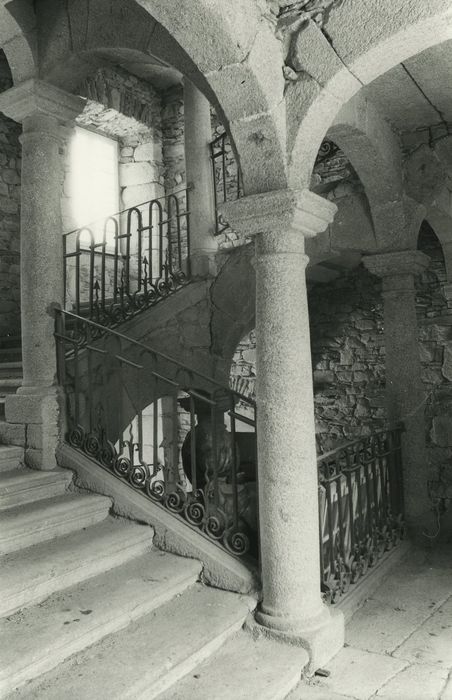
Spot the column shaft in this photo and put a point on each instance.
(405, 396)
(199, 177)
(404, 390)
(288, 480)
(41, 249)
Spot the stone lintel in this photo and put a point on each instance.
(35, 97)
(397, 263)
(300, 211)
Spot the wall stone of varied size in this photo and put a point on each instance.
(435, 335)
(10, 165)
(348, 354)
(346, 320)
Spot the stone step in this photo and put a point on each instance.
(37, 639)
(24, 526)
(22, 486)
(12, 354)
(9, 386)
(10, 370)
(11, 457)
(152, 654)
(33, 574)
(244, 668)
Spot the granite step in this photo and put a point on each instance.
(11, 457)
(10, 369)
(9, 385)
(21, 486)
(29, 524)
(31, 575)
(37, 639)
(152, 654)
(244, 668)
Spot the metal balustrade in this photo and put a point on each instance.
(227, 185)
(116, 267)
(125, 409)
(361, 507)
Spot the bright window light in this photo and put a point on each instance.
(94, 182)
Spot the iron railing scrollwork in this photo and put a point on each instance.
(125, 263)
(125, 407)
(227, 182)
(361, 507)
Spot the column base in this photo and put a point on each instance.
(203, 265)
(322, 637)
(39, 414)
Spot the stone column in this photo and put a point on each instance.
(405, 394)
(199, 177)
(43, 111)
(287, 465)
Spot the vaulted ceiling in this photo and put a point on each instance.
(417, 93)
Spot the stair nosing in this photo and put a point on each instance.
(130, 541)
(112, 622)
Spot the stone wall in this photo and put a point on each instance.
(346, 319)
(348, 354)
(435, 335)
(10, 164)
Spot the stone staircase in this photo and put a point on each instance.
(89, 608)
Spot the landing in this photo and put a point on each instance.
(399, 644)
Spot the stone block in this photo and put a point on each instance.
(135, 174)
(442, 431)
(136, 194)
(145, 152)
(323, 377)
(447, 361)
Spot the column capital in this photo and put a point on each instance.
(397, 263)
(300, 211)
(36, 97)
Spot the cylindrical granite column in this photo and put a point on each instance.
(405, 394)
(287, 463)
(199, 177)
(288, 479)
(41, 249)
(44, 110)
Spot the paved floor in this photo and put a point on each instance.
(399, 644)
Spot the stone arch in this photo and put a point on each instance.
(441, 223)
(366, 45)
(231, 54)
(374, 152)
(18, 39)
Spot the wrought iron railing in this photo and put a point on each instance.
(226, 177)
(170, 432)
(361, 507)
(118, 266)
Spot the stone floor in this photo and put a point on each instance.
(399, 644)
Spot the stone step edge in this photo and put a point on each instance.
(25, 479)
(176, 673)
(35, 592)
(10, 452)
(89, 510)
(51, 658)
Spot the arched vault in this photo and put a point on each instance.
(228, 49)
(18, 38)
(358, 45)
